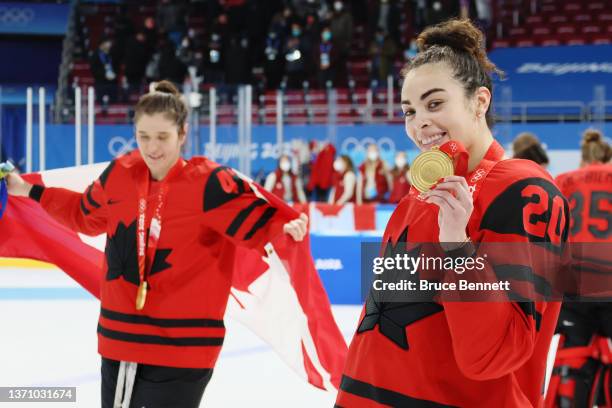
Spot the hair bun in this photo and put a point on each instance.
(166, 87)
(460, 35)
(592, 135)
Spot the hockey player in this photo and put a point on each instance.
(172, 226)
(460, 354)
(582, 376)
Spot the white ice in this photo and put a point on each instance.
(52, 342)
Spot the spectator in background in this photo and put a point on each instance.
(171, 20)
(373, 182)
(296, 55)
(214, 61)
(341, 26)
(410, 51)
(101, 65)
(527, 146)
(150, 32)
(170, 67)
(327, 60)
(385, 16)
(322, 170)
(284, 183)
(136, 60)
(237, 64)
(274, 61)
(344, 182)
(382, 53)
(400, 176)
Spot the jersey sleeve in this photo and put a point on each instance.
(526, 224)
(81, 212)
(240, 211)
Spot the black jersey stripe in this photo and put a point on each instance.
(261, 222)
(153, 321)
(161, 340)
(385, 396)
(242, 216)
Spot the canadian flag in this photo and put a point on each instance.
(279, 296)
(341, 219)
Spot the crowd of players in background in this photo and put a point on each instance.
(272, 44)
(326, 176)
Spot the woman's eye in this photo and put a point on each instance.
(408, 113)
(434, 104)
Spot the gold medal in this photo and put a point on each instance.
(141, 296)
(429, 167)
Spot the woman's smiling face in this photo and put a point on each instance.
(436, 109)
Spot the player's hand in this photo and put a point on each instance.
(17, 186)
(297, 228)
(455, 202)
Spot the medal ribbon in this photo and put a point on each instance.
(146, 252)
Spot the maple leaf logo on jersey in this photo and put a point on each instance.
(393, 317)
(122, 258)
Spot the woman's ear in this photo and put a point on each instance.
(183, 135)
(483, 100)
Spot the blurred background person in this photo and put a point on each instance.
(345, 181)
(586, 326)
(527, 146)
(373, 180)
(321, 169)
(400, 178)
(284, 183)
(327, 60)
(105, 78)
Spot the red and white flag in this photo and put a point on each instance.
(278, 296)
(342, 219)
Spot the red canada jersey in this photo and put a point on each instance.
(401, 186)
(463, 354)
(209, 210)
(589, 192)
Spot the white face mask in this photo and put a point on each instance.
(285, 166)
(400, 162)
(339, 166)
(372, 155)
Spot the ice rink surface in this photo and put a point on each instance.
(48, 338)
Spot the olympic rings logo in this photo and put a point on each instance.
(119, 145)
(477, 176)
(16, 15)
(352, 144)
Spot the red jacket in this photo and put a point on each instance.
(401, 186)
(322, 169)
(588, 191)
(209, 210)
(339, 187)
(382, 185)
(454, 354)
(279, 188)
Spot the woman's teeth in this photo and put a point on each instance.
(432, 139)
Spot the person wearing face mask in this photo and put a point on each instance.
(284, 183)
(328, 59)
(343, 189)
(173, 226)
(431, 348)
(400, 176)
(373, 181)
(296, 56)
